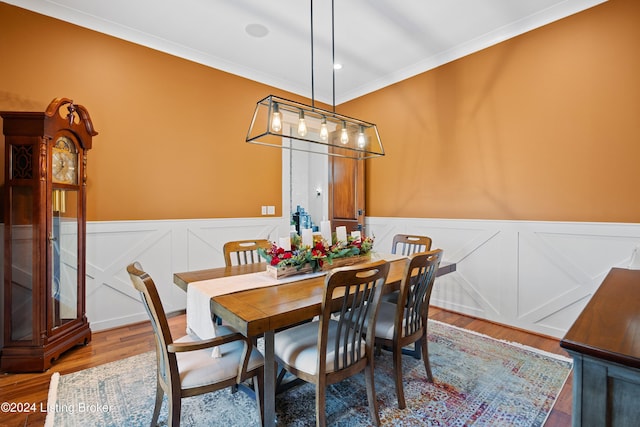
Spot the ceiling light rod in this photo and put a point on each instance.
(282, 123)
(313, 98)
(333, 57)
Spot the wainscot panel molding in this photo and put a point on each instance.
(163, 248)
(537, 276)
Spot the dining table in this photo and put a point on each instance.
(261, 311)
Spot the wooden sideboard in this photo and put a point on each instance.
(604, 342)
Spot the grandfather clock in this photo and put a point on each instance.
(44, 234)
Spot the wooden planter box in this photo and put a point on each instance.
(281, 272)
(351, 260)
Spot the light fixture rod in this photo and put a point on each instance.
(313, 98)
(333, 56)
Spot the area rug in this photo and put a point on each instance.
(479, 381)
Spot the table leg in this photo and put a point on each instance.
(269, 381)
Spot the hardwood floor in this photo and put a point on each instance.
(111, 345)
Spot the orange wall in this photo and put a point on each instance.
(171, 132)
(545, 126)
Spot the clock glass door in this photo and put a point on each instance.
(23, 230)
(64, 256)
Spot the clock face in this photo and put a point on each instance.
(64, 162)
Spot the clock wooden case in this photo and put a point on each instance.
(44, 234)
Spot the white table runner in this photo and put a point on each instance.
(199, 294)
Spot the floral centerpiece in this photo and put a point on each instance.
(305, 258)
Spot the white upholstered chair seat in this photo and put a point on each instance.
(198, 368)
(385, 323)
(298, 347)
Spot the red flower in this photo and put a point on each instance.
(275, 260)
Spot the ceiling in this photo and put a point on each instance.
(378, 42)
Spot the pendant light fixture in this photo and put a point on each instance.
(282, 123)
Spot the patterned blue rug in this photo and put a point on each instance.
(479, 381)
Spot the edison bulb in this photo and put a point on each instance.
(344, 135)
(324, 132)
(362, 141)
(276, 119)
(302, 125)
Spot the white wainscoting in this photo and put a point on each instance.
(532, 275)
(163, 248)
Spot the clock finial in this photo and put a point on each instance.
(71, 108)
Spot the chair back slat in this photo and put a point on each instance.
(415, 290)
(359, 288)
(240, 252)
(408, 244)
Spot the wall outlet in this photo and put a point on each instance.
(264, 210)
(271, 210)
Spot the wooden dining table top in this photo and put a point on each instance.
(256, 311)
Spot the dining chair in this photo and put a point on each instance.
(407, 244)
(185, 366)
(330, 349)
(240, 252)
(405, 322)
